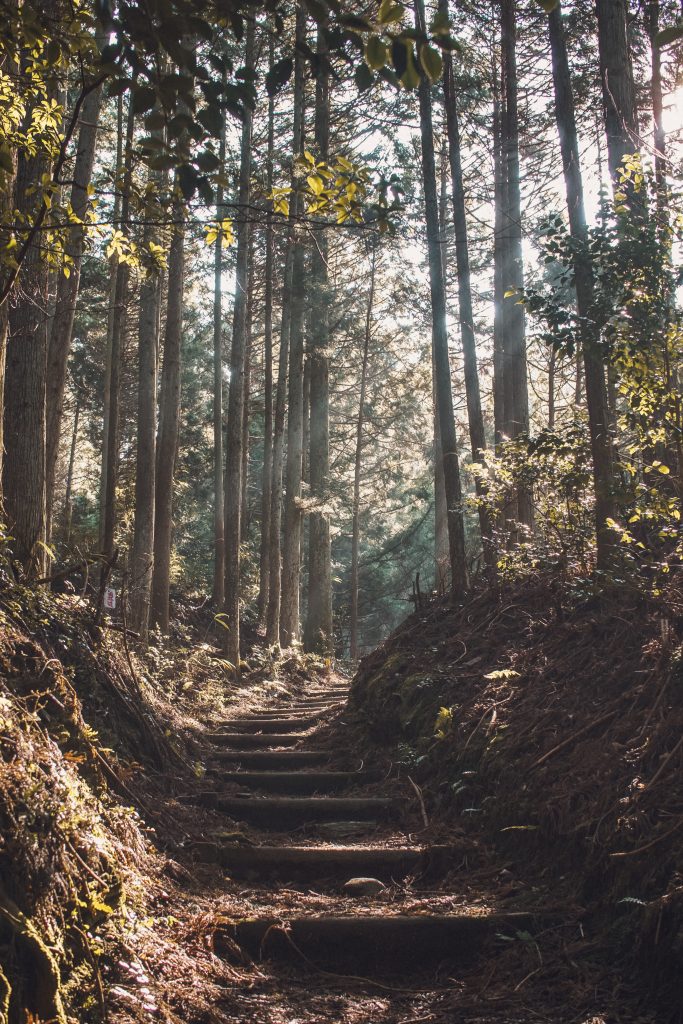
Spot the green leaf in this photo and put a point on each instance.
(669, 35)
(548, 5)
(441, 25)
(279, 75)
(187, 180)
(211, 118)
(410, 78)
(144, 99)
(6, 162)
(431, 61)
(375, 53)
(390, 12)
(317, 10)
(363, 77)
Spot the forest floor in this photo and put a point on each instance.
(220, 898)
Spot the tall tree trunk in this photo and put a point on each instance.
(318, 631)
(218, 594)
(234, 440)
(294, 243)
(111, 320)
(244, 512)
(469, 344)
(169, 419)
(618, 90)
(291, 547)
(601, 446)
(355, 530)
(451, 465)
(513, 265)
(659, 139)
(68, 499)
(500, 417)
(25, 385)
(67, 290)
(142, 554)
(441, 556)
(275, 546)
(267, 475)
(110, 456)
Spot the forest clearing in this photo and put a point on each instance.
(341, 451)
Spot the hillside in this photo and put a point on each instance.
(536, 733)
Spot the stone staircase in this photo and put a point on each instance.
(271, 772)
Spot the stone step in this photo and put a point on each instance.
(298, 781)
(261, 724)
(284, 812)
(313, 711)
(372, 943)
(263, 740)
(315, 862)
(272, 759)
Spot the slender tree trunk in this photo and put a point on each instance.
(456, 528)
(266, 485)
(111, 320)
(441, 556)
(218, 595)
(318, 632)
(274, 566)
(68, 498)
(291, 547)
(469, 344)
(25, 385)
(169, 419)
(551, 389)
(618, 90)
(659, 139)
(355, 531)
(142, 554)
(293, 245)
(244, 513)
(67, 290)
(513, 266)
(238, 354)
(596, 399)
(500, 418)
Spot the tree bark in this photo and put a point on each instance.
(318, 630)
(169, 419)
(515, 362)
(267, 475)
(68, 500)
(234, 440)
(469, 343)
(456, 528)
(596, 399)
(355, 530)
(291, 547)
(142, 554)
(500, 418)
(618, 90)
(218, 593)
(67, 290)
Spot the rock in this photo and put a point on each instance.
(363, 886)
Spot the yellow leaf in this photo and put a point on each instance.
(375, 53)
(431, 61)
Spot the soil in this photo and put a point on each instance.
(528, 748)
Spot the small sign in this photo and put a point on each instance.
(110, 599)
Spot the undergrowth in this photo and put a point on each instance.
(547, 719)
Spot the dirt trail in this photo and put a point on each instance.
(398, 947)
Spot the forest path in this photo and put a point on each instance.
(330, 894)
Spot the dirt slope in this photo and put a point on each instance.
(547, 721)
